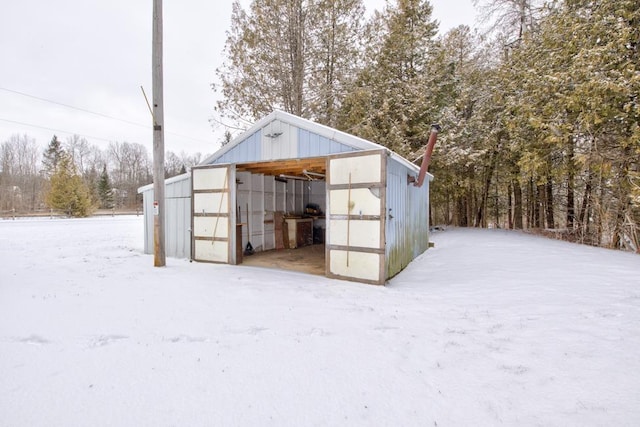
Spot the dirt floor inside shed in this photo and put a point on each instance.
(307, 259)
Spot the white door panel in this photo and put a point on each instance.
(212, 220)
(362, 202)
(356, 191)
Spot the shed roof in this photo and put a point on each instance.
(171, 180)
(280, 165)
(355, 142)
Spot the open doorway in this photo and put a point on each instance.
(280, 215)
(307, 259)
(350, 187)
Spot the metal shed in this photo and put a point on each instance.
(285, 176)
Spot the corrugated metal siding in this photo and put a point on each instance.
(177, 219)
(293, 142)
(178, 209)
(147, 208)
(407, 233)
(284, 146)
(313, 145)
(177, 226)
(249, 150)
(178, 189)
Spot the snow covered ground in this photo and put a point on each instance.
(488, 328)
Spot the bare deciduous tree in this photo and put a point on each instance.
(20, 182)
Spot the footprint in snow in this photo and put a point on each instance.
(185, 338)
(515, 369)
(33, 339)
(319, 332)
(256, 330)
(103, 340)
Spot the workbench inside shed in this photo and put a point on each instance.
(272, 210)
(299, 232)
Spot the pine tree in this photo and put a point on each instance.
(512, 18)
(468, 152)
(580, 95)
(293, 55)
(52, 156)
(91, 179)
(68, 191)
(265, 60)
(335, 28)
(392, 100)
(105, 190)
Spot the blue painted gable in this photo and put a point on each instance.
(249, 150)
(313, 145)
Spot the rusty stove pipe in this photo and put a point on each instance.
(435, 128)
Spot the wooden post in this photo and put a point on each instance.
(159, 259)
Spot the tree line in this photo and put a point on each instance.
(540, 110)
(76, 177)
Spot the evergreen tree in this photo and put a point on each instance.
(394, 99)
(334, 55)
(468, 152)
(542, 121)
(68, 191)
(52, 156)
(580, 90)
(293, 55)
(91, 179)
(265, 60)
(511, 18)
(105, 190)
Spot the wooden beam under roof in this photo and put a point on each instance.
(294, 167)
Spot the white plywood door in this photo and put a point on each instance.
(356, 191)
(212, 219)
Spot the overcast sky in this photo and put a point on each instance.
(95, 55)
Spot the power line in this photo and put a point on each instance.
(89, 112)
(54, 130)
(73, 108)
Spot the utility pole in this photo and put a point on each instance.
(159, 259)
